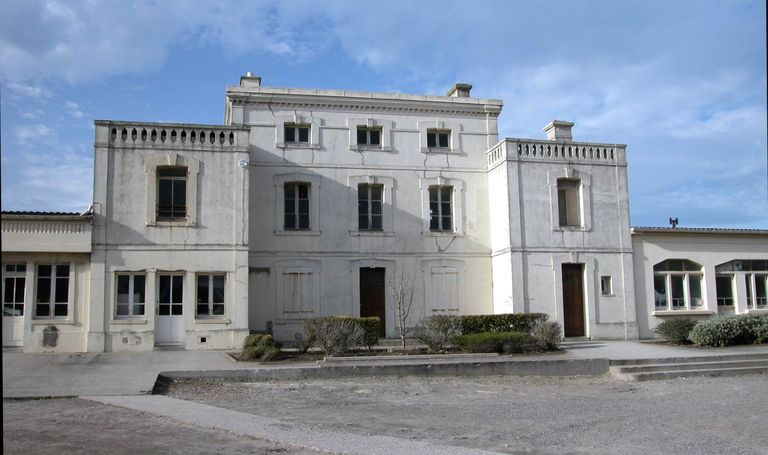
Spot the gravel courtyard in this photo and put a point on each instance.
(519, 414)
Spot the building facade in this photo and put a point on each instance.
(310, 203)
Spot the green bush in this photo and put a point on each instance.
(734, 330)
(259, 347)
(438, 331)
(501, 342)
(518, 322)
(334, 335)
(370, 328)
(547, 335)
(676, 330)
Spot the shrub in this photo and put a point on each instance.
(370, 328)
(501, 342)
(259, 347)
(742, 329)
(438, 332)
(334, 335)
(676, 330)
(518, 322)
(547, 335)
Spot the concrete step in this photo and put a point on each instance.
(689, 366)
(661, 375)
(681, 367)
(692, 359)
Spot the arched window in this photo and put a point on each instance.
(677, 285)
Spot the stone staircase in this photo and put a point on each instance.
(683, 367)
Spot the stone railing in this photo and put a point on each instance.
(46, 227)
(148, 135)
(47, 235)
(515, 149)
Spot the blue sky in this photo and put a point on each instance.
(682, 83)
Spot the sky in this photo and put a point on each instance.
(682, 83)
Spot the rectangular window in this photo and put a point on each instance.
(694, 291)
(568, 202)
(606, 287)
(369, 136)
(210, 295)
(660, 291)
(298, 292)
(438, 138)
(440, 210)
(14, 279)
(171, 194)
(131, 288)
(296, 214)
(170, 297)
(52, 291)
(761, 289)
(369, 207)
(724, 286)
(295, 133)
(678, 292)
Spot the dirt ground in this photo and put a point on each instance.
(519, 414)
(80, 426)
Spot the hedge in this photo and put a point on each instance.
(518, 322)
(501, 342)
(259, 347)
(676, 330)
(733, 330)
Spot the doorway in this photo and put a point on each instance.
(372, 296)
(169, 322)
(573, 300)
(14, 280)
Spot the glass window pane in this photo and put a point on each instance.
(376, 222)
(164, 295)
(164, 191)
(375, 137)
(218, 309)
(178, 289)
(303, 191)
(445, 194)
(303, 134)
(362, 137)
(694, 290)
(20, 283)
(290, 133)
(376, 208)
(432, 194)
(62, 289)
(660, 291)
(138, 310)
(434, 223)
(303, 206)
(724, 287)
(123, 292)
(44, 270)
(218, 289)
(431, 140)
(290, 221)
(23, 267)
(60, 309)
(122, 310)
(62, 270)
(202, 309)
(176, 309)
(376, 192)
(362, 222)
(9, 291)
(678, 293)
(446, 223)
(43, 289)
(179, 193)
(303, 221)
(164, 310)
(42, 310)
(202, 288)
(443, 138)
(138, 288)
(290, 191)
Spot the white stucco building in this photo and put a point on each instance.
(305, 202)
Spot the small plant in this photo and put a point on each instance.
(370, 328)
(438, 332)
(334, 335)
(547, 335)
(517, 322)
(676, 330)
(501, 342)
(259, 347)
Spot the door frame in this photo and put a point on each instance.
(588, 284)
(383, 321)
(14, 327)
(578, 273)
(354, 279)
(173, 321)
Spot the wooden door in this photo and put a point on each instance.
(573, 300)
(372, 301)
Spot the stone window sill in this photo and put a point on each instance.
(682, 312)
(296, 145)
(297, 232)
(371, 233)
(213, 321)
(129, 321)
(63, 321)
(369, 148)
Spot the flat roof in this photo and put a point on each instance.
(695, 230)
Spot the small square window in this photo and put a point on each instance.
(606, 287)
(295, 133)
(438, 138)
(368, 136)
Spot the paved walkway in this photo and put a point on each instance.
(125, 379)
(51, 375)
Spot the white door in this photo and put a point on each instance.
(169, 319)
(14, 279)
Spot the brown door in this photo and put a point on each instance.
(573, 300)
(372, 296)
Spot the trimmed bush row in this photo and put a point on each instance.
(729, 331)
(501, 342)
(259, 347)
(518, 322)
(339, 334)
(676, 330)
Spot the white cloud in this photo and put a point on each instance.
(27, 133)
(30, 91)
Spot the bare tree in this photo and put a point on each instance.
(400, 284)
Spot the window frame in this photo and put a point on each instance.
(756, 300)
(585, 195)
(211, 302)
(568, 194)
(52, 291)
(131, 304)
(296, 129)
(151, 166)
(296, 202)
(686, 276)
(731, 284)
(315, 187)
(174, 217)
(435, 136)
(16, 307)
(453, 129)
(369, 214)
(606, 285)
(170, 303)
(369, 123)
(439, 191)
(457, 205)
(283, 122)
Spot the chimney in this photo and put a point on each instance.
(558, 130)
(460, 90)
(249, 80)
